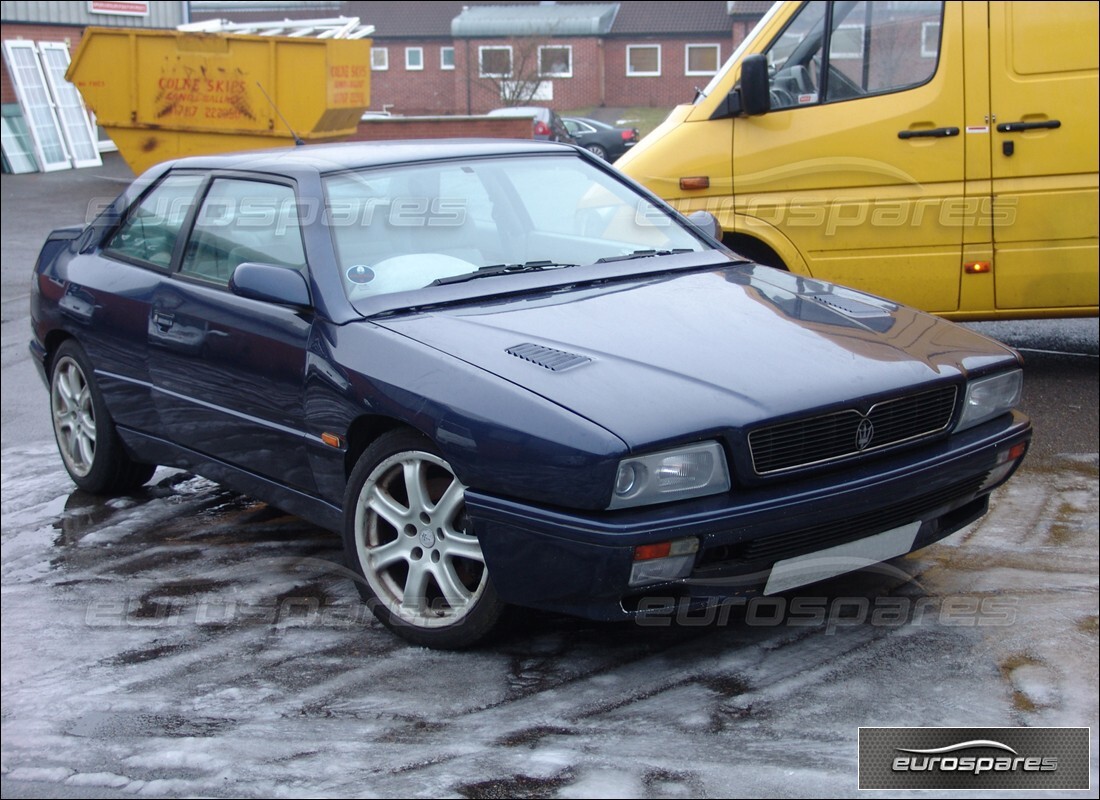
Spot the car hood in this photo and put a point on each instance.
(670, 356)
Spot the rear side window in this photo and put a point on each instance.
(243, 220)
(152, 226)
(840, 51)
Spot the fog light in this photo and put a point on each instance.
(664, 561)
(1006, 462)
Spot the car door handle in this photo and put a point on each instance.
(163, 321)
(1012, 127)
(935, 133)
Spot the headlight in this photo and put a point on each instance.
(678, 474)
(987, 398)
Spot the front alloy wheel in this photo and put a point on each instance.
(407, 534)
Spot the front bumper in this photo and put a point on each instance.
(580, 563)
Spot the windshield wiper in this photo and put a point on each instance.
(644, 254)
(500, 269)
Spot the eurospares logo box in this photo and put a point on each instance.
(974, 758)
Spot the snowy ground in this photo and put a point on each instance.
(186, 641)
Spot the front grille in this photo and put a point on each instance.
(843, 434)
(766, 550)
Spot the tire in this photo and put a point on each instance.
(86, 437)
(407, 537)
(597, 150)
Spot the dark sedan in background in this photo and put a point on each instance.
(546, 125)
(606, 141)
(508, 375)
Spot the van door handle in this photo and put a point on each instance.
(1012, 127)
(936, 133)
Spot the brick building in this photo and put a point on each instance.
(453, 57)
(463, 57)
(65, 22)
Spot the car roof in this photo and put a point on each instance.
(328, 158)
(595, 123)
(519, 111)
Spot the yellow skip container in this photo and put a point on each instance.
(164, 94)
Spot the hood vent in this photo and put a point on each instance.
(851, 307)
(547, 357)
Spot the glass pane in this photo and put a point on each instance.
(873, 48)
(794, 59)
(400, 229)
(34, 97)
(70, 108)
(555, 61)
(152, 226)
(702, 58)
(882, 47)
(496, 61)
(243, 221)
(18, 150)
(645, 59)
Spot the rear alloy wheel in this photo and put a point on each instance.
(86, 438)
(407, 534)
(597, 150)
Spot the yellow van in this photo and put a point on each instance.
(940, 154)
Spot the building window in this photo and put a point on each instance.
(701, 59)
(446, 58)
(414, 58)
(379, 59)
(494, 62)
(847, 42)
(556, 61)
(930, 39)
(643, 59)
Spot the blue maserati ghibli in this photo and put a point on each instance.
(507, 375)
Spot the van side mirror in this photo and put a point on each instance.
(755, 92)
(752, 96)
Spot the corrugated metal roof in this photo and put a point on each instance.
(567, 19)
(433, 20)
(55, 12)
(269, 6)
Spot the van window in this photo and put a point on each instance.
(839, 51)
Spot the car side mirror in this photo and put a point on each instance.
(271, 284)
(705, 222)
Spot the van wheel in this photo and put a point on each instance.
(753, 250)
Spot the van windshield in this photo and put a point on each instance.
(702, 94)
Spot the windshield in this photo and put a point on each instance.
(402, 228)
(735, 56)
